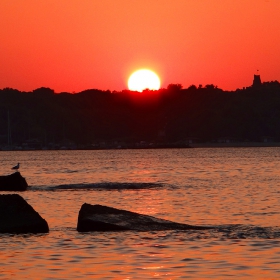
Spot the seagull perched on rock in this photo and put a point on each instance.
(16, 167)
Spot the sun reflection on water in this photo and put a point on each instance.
(195, 186)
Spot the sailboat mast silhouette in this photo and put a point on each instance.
(9, 130)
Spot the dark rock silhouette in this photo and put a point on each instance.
(17, 216)
(103, 218)
(13, 182)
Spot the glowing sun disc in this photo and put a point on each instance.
(143, 79)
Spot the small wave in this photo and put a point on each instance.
(241, 232)
(100, 186)
(235, 232)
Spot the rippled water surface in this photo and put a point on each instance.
(236, 190)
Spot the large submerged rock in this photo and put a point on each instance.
(17, 216)
(103, 218)
(13, 182)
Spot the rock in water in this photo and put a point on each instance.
(103, 218)
(13, 182)
(17, 216)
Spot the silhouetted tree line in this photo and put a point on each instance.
(166, 115)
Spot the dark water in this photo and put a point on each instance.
(235, 190)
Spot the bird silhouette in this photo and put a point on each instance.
(16, 167)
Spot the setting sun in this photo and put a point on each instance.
(143, 79)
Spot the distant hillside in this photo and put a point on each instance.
(167, 115)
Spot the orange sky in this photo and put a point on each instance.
(72, 45)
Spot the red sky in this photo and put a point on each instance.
(73, 45)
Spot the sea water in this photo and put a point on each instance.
(235, 190)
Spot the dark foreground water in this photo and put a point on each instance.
(235, 190)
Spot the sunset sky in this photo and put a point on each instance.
(73, 45)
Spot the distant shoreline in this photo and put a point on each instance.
(235, 145)
(191, 145)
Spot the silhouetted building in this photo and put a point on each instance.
(257, 81)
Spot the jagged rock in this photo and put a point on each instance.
(13, 182)
(17, 216)
(103, 218)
